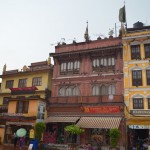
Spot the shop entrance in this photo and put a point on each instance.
(11, 129)
(136, 137)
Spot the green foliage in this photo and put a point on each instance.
(114, 137)
(73, 129)
(39, 129)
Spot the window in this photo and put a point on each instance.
(111, 90)
(6, 100)
(69, 91)
(103, 62)
(103, 90)
(147, 50)
(22, 83)
(148, 76)
(135, 52)
(62, 91)
(9, 84)
(70, 67)
(37, 81)
(138, 103)
(95, 90)
(136, 77)
(22, 107)
(63, 67)
(148, 103)
(76, 91)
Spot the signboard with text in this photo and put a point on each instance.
(140, 112)
(102, 109)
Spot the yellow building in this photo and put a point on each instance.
(23, 95)
(136, 47)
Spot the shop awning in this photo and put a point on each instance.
(61, 119)
(99, 122)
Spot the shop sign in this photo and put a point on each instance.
(11, 114)
(19, 123)
(139, 126)
(102, 109)
(31, 135)
(15, 117)
(140, 112)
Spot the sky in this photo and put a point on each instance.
(30, 29)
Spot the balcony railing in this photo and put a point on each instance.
(86, 99)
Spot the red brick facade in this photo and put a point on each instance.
(87, 77)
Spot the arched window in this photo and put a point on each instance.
(112, 90)
(103, 90)
(95, 90)
(62, 91)
(138, 102)
(69, 91)
(76, 91)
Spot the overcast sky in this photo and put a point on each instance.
(29, 28)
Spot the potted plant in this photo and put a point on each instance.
(73, 130)
(114, 137)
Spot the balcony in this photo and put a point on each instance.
(23, 90)
(87, 99)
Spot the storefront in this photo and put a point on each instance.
(12, 127)
(55, 129)
(96, 129)
(138, 130)
(15, 122)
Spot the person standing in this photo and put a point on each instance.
(21, 142)
(15, 139)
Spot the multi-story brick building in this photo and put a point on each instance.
(136, 47)
(87, 90)
(23, 93)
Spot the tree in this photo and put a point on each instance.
(39, 129)
(73, 130)
(114, 137)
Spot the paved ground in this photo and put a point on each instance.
(11, 147)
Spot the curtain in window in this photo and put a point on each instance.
(111, 90)
(76, 91)
(20, 107)
(69, 91)
(62, 91)
(95, 90)
(26, 105)
(103, 90)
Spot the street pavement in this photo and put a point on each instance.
(11, 147)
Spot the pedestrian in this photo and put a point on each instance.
(15, 139)
(21, 142)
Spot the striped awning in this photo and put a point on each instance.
(99, 122)
(61, 119)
